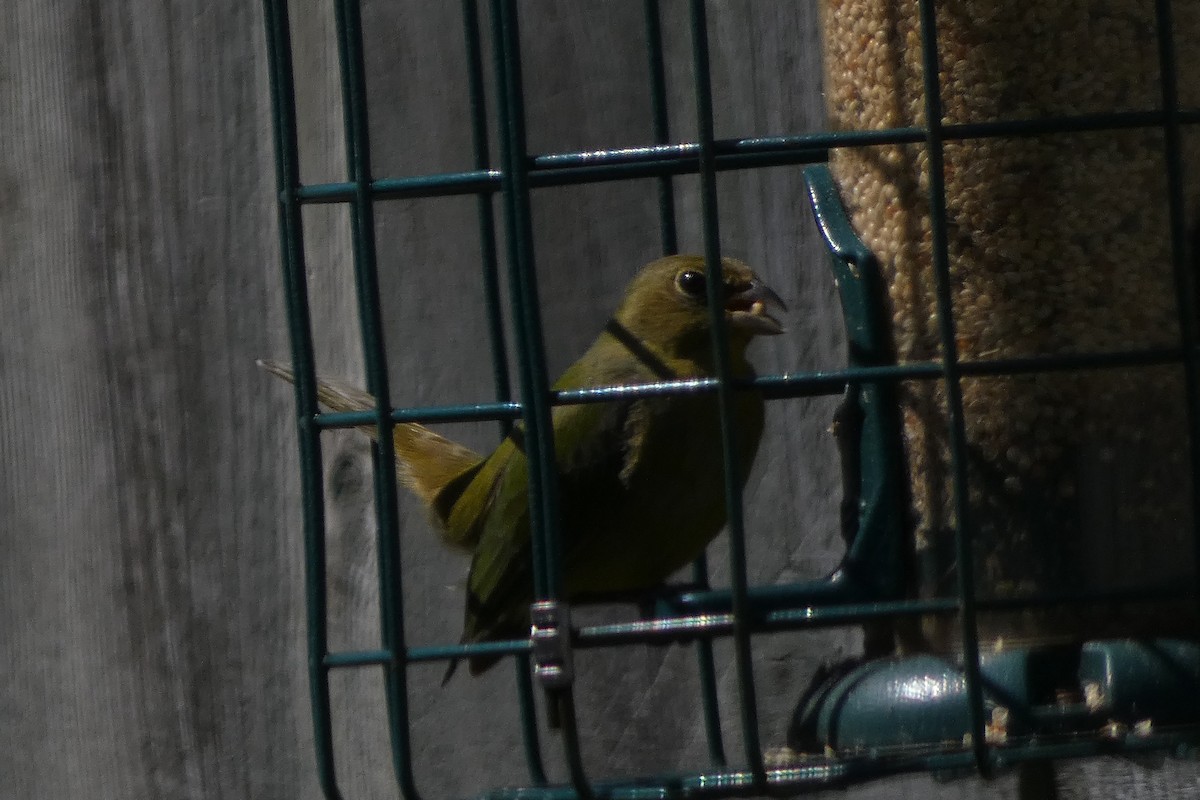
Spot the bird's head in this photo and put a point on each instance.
(666, 305)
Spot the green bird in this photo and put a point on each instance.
(641, 485)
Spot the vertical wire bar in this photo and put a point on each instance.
(539, 444)
(528, 713)
(733, 481)
(951, 376)
(487, 222)
(670, 245)
(291, 248)
(1185, 287)
(492, 299)
(662, 130)
(354, 107)
(539, 435)
(708, 678)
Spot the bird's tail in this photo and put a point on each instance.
(426, 462)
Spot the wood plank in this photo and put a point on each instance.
(151, 593)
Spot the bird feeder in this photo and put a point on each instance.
(1027, 205)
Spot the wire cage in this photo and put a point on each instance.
(977, 705)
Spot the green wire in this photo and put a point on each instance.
(539, 433)
(358, 158)
(1185, 283)
(291, 247)
(733, 485)
(706, 667)
(952, 376)
(741, 610)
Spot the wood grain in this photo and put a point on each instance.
(151, 589)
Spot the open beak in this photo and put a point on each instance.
(746, 308)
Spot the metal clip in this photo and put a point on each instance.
(550, 634)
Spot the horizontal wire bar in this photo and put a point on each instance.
(483, 181)
(807, 384)
(820, 772)
(437, 185)
(357, 658)
(367, 658)
(828, 140)
(464, 413)
(719, 623)
(656, 169)
(830, 772)
(765, 602)
(561, 169)
(500, 647)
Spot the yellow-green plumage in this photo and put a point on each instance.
(641, 481)
(427, 463)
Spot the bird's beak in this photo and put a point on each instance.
(746, 308)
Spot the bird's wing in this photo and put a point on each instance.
(590, 447)
(597, 447)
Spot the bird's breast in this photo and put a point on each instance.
(671, 500)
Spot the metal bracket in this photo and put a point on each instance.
(550, 634)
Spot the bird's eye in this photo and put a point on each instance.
(691, 282)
